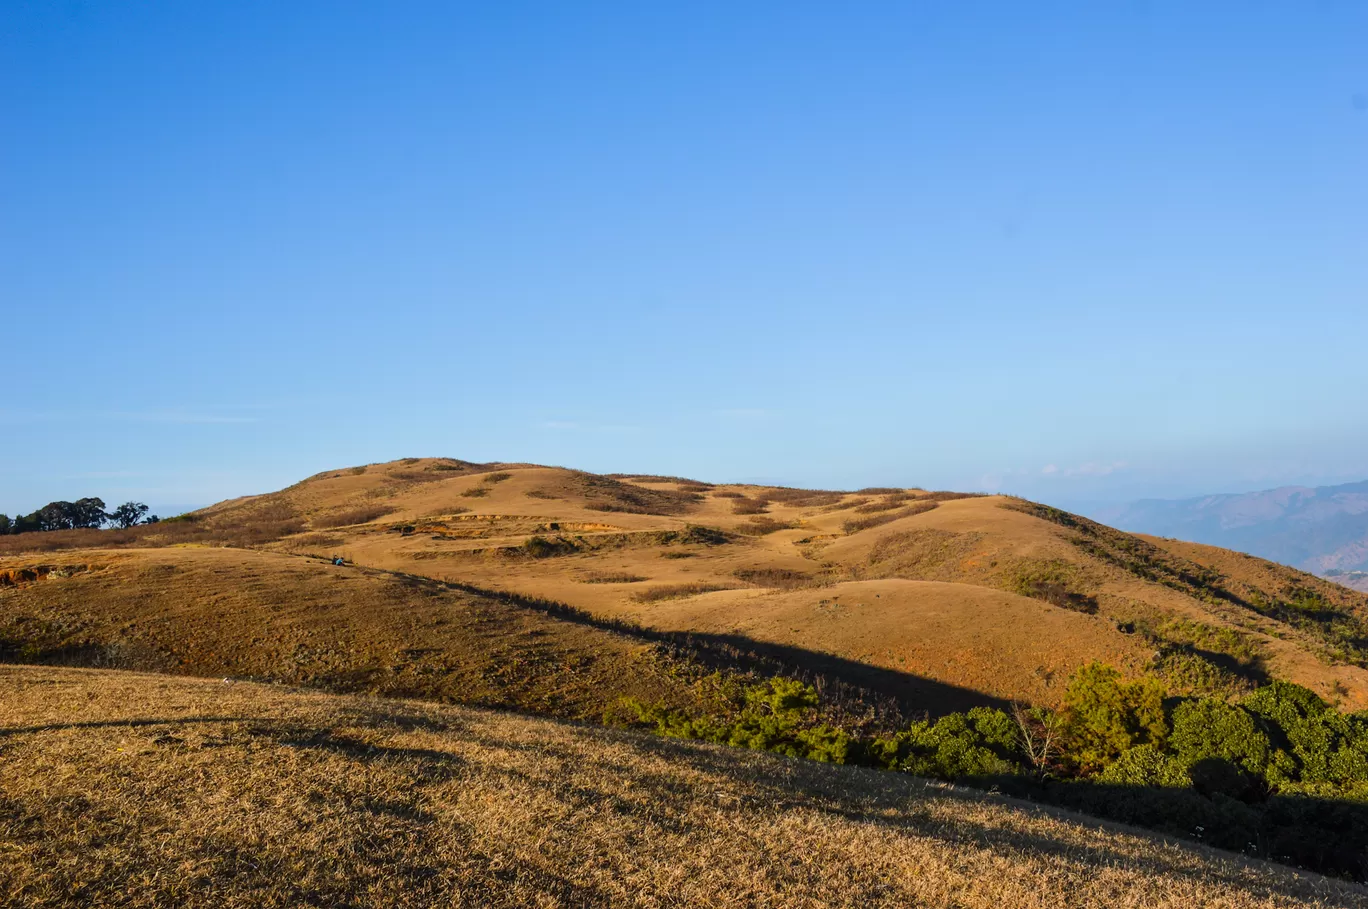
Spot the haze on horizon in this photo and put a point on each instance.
(1077, 253)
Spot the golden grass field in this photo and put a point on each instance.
(557, 593)
(135, 790)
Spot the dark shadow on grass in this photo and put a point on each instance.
(848, 685)
(1324, 835)
(132, 724)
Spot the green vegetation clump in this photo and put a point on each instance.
(1105, 716)
(779, 715)
(1279, 774)
(1199, 659)
(980, 743)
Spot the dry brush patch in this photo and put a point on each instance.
(780, 578)
(676, 591)
(604, 493)
(363, 515)
(761, 525)
(610, 577)
(744, 505)
(921, 506)
(139, 791)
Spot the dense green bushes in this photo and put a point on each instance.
(982, 742)
(779, 715)
(1279, 773)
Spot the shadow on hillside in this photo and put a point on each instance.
(849, 685)
(1329, 836)
(129, 724)
(835, 677)
(1325, 835)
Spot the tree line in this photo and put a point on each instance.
(83, 514)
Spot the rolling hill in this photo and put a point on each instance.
(661, 602)
(131, 790)
(939, 600)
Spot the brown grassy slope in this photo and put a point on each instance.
(266, 615)
(1245, 573)
(119, 789)
(994, 542)
(424, 516)
(975, 638)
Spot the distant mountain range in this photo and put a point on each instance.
(1322, 529)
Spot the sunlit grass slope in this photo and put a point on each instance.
(120, 789)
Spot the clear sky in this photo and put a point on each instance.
(1079, 251)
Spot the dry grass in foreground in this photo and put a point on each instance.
(137, 790)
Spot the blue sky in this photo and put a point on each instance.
(1083, 252)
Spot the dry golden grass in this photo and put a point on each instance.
(217, 612)
(118, 789)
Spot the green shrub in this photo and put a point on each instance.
(1328, 746)
(982, 742)
(1206, 729)
(779, 716)
(1106, 716)
(1146, 765)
